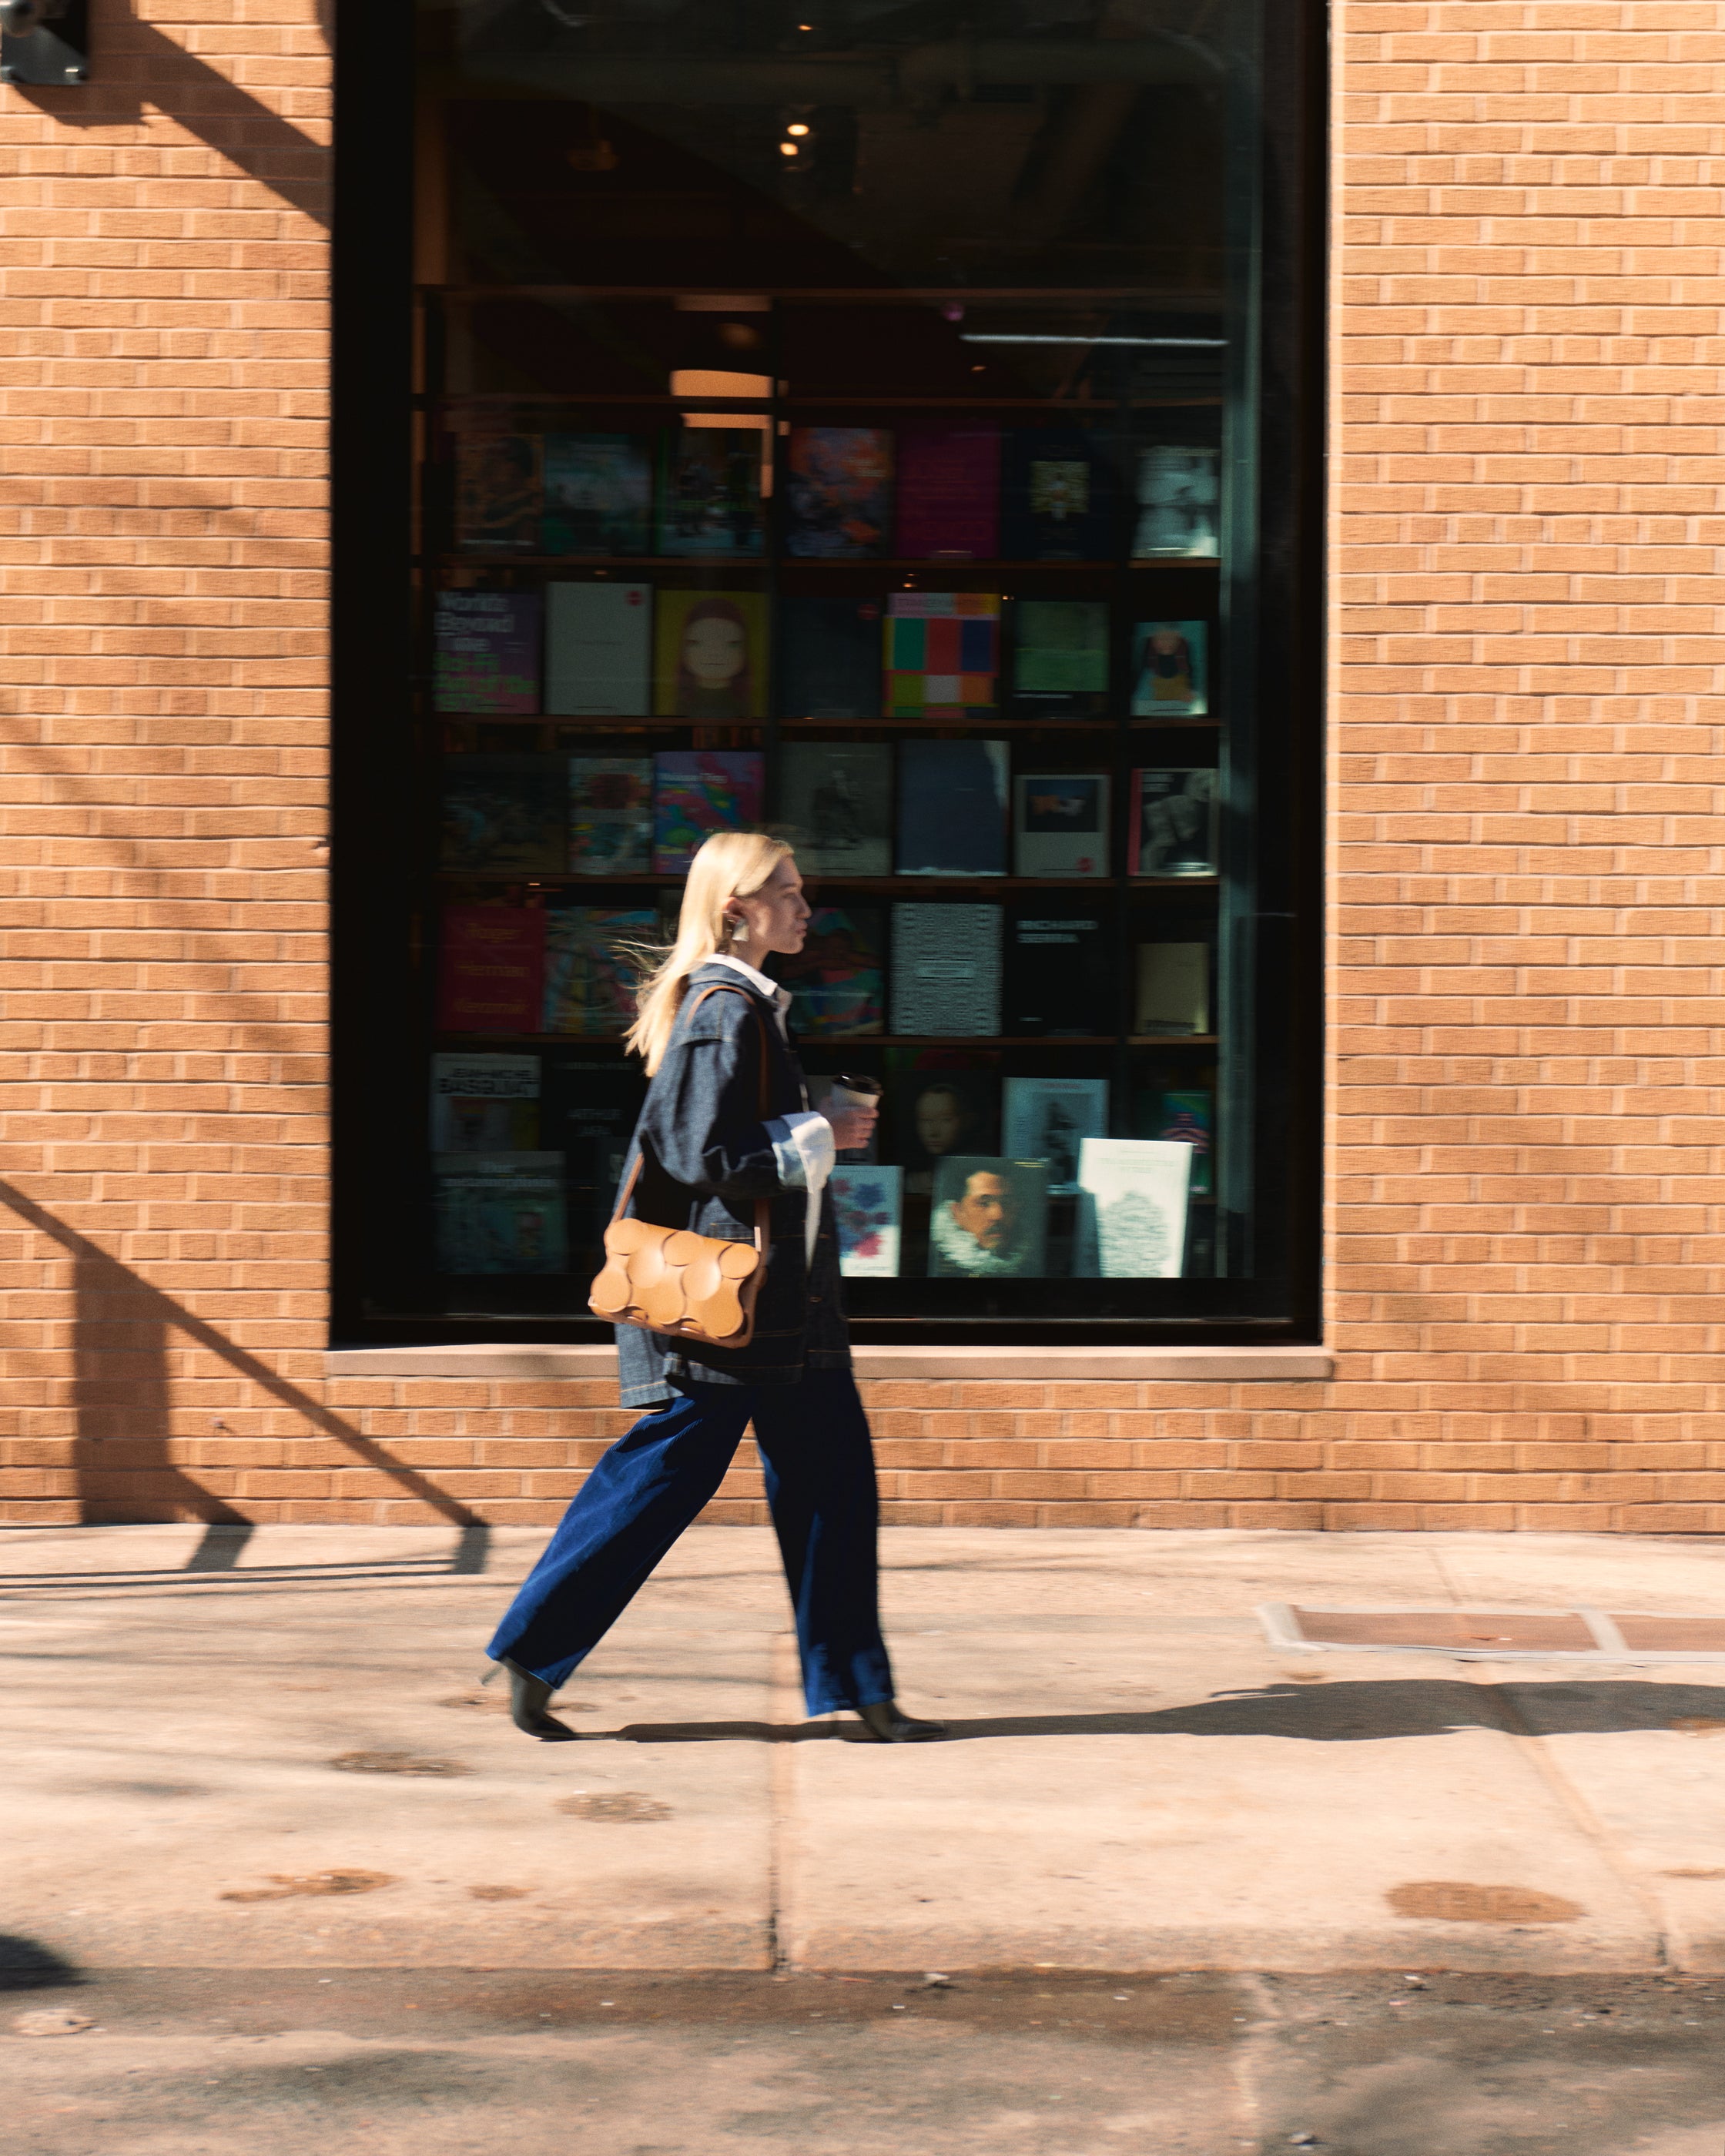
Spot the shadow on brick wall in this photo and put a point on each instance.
(123, 1332)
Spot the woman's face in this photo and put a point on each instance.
(940, 1121)
(714, 652)
(776, 915)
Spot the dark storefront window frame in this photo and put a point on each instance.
(379, 1201)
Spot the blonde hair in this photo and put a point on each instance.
(729, 864)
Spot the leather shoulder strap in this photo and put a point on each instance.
(716, 988)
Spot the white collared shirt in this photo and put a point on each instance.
(803, 1144)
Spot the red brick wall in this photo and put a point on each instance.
(1524, 1261)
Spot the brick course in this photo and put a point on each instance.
(1525, 871)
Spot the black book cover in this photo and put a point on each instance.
(1058, 502)
(587, 1110)
(952, 807)
(504, 813)
(1059, 975)
(830, 658)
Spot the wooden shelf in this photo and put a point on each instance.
(978, 886)
(894, 565)
(833, 400)
(821, 1043)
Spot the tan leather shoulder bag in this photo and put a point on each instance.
(670, 1280)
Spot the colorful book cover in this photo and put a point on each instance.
(1170, 670)
(710, 494)
(838, 492)
(599, 495)
(1060, 824)
(590, 973)
(988, 1219)
(497, 493)
(946, 970)
(698, 791)
(835, 806)
(1057, 497)
(949, 494)
(502, 814)
(1047, 1119)
(486, 652)
(1061, 658)
(1060, 974)
(598, 640)
(610, 815)
(830, 658)
(867, 1208)
(483, 1103)
(1184, 1118)
(1175, 829)
(942, 655)
(499, 1212)
(710, 656)
(952, 807)
(837, 979)
(1132, 1210)
(1179, 505)
(490, 969)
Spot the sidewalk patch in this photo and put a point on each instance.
(287, 1885)
(396, 1763)
(1459, 1901)
(1570, 1635)
(625, 1804)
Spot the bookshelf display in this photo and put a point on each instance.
(933, 569)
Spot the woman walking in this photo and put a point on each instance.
(704, 1155)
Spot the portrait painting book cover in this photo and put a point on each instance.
(709, 656)
(988, 1219)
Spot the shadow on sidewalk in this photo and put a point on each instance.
(1340, 1713)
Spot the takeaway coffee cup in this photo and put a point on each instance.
(850, 1091)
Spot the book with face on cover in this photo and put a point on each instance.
(1047, 1119)
(497, 493)
(988, 1219)
(868, 1204)
(610, 815)
(952, 807)
(486, 652)
(1133, 1209)
(698, 791)
(945, 969)
(709, 656)
(1057, 497)
(948, 493)
(942, 655)
(709, 491)
(499, 1212)
(503, 813)
(1059, 656)
(599, 495)
(483, 1103)
(829, 657)
(598, 641)
(590, 973)
(1179, 505)
(1175, 825)
(940, 1101)
(839, 493)
(835, 806)
(837, 979)
(1060, 972)
(1060, 824)
(1170, 670)
(490, 968)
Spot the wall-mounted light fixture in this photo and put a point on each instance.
(44, 41)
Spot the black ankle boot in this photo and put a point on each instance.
(528, 1698)
(883, 1722)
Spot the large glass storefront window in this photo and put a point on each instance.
(879, 425)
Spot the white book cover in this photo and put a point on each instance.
(598, 641)
(868, 1206)
(1133, 1221)
(483, 1103)
(946, 970)
(1048, 1119)
(1059, 823)
(1173, 989)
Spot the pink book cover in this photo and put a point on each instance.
(949, 494)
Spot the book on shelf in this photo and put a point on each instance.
(820, 1093)
(589, 971)
(1059, 823)
(503, 814)
(1048, 1119)
(482, 1102)
(490, 968)
(952, 807)
(499, 1212)
(497, 493)
(588, 1114)
(598, 640)
(1060, 667)
(988, 1219)
(1057, 497)
(1183, 1117)
(610, 815)
(1170, 670)
(1132, 1209)
(945, 969)
(1173, 989)
(709, 656)
(710, 493)
(599, 495)
(837, 979)
(835, 806)
(698, 791)
(485, 655)
(868, 1212)
(1175, 827)
(829, 657)
(1179, 503)
(1060, 972)
(942, 655)
(837, 493)
(948, 493)
(940, 1101)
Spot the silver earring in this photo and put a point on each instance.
(739, 934)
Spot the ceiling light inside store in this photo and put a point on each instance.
(1160, 344)
(786, 149)
(798, 127)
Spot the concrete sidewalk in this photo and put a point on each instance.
(270, 1751)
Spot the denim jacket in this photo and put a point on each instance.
(706, 1156)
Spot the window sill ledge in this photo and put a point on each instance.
(915, 1365)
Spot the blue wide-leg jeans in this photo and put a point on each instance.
(813, 1441)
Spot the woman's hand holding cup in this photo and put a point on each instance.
(853, 1108)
